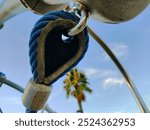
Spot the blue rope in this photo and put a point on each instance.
(55, 38)
(35, 34)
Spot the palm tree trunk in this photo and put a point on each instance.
(80, 106)
(79, 100)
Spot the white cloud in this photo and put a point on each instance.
(108, 78)
(112, 81)
(119, 49)
(90, 71)
(94, 72)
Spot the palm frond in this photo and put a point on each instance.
(76, 83)
(68, 90)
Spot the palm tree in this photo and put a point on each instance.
(75, 84)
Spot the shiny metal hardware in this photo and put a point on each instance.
(111, 11)
(44, 6)
(4, 80)
(114, 11)
(35, 95)
(17, 87)
(77, 6)
(9, 9)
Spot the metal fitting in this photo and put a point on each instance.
(79, 8)
(35, 95)
(43, 6)
(114, 11)
(9, 9)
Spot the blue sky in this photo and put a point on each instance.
(129, 41)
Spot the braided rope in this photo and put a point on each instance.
(36, 32)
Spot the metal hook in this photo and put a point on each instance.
(85, 13)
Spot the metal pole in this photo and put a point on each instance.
(20, 89)
(48, 109)
(140, 102)
(9, 9)
(12, 84)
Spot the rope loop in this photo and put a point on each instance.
(52, 51)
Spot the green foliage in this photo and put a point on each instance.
(75, 84)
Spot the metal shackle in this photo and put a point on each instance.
(108, 11)
(84, 15)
